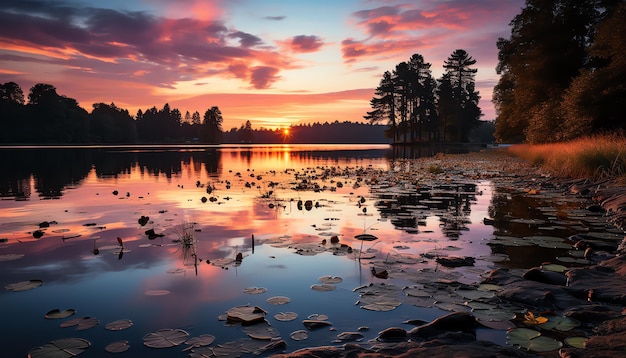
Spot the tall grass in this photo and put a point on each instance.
(596, 157)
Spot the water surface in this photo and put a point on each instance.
(90, 197)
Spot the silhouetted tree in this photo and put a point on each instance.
(245, 133)
(111, 124)
(55, 118)
(13, 113)
(212, 126)
(458, 99)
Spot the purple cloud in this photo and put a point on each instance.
(303, 43)
(109, 42)
(263, 76)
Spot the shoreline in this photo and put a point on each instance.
(595, 295)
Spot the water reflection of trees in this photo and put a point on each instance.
(408, 210)
(52, 170)
(55, 170)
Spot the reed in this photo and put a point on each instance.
(595, 157)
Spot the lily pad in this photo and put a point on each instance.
(200, 341)
(255, 290)
(60, 348)
(262, 331)
(278, 300)
(117, 347)
(299, 335)
(56, 313)
(81, 323)
(554, 267)
(576, 342)
(330, 279)
(119, 325)
(560, 323)
(286, 316)
(246, 314)
(325, 287)
(165, 338)
(23, 285)
(532, 340)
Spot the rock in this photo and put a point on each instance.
(453, 322)
(392, 333)
(605, 282)
(455, 261)
(610, 343)
(544, 276)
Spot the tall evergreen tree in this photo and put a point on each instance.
(458, 98)
(212, 126)
(383, 105)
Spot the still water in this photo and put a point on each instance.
(71, 218)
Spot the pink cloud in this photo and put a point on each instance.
(303, 43)
(161, 51)
(262, 77)
(413, 27)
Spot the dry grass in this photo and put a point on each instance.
(597, 157)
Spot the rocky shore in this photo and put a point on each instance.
(592, 295)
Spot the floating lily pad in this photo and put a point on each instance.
(60, 348)
(262, 331)
(532, 340)
(56, 313)
(246, 314)
(119, 325)
(554, 267)
(576, 342)
(165, 338)
(200, 341)
(23, 285)
(472, 294)
(278, 300)
(323, 287)
(568, 259)
(81, 323)
(560, 323)
(315, 323)
(286, 316)
(299, 335)
(330, 279)
(318, 317)
(117, 347)
(255, 290)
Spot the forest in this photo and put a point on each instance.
(50, 118)
(562, 76)
(562, 72)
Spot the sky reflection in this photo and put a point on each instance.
(155, 285)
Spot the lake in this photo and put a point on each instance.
(176, 237)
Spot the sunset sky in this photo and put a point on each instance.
(273, 62)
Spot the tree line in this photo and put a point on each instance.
(333, 132)
(562, 71)
(48, 117)
(417, 108)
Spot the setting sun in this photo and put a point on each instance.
(286, 132)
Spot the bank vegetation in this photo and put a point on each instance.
(597, 157)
